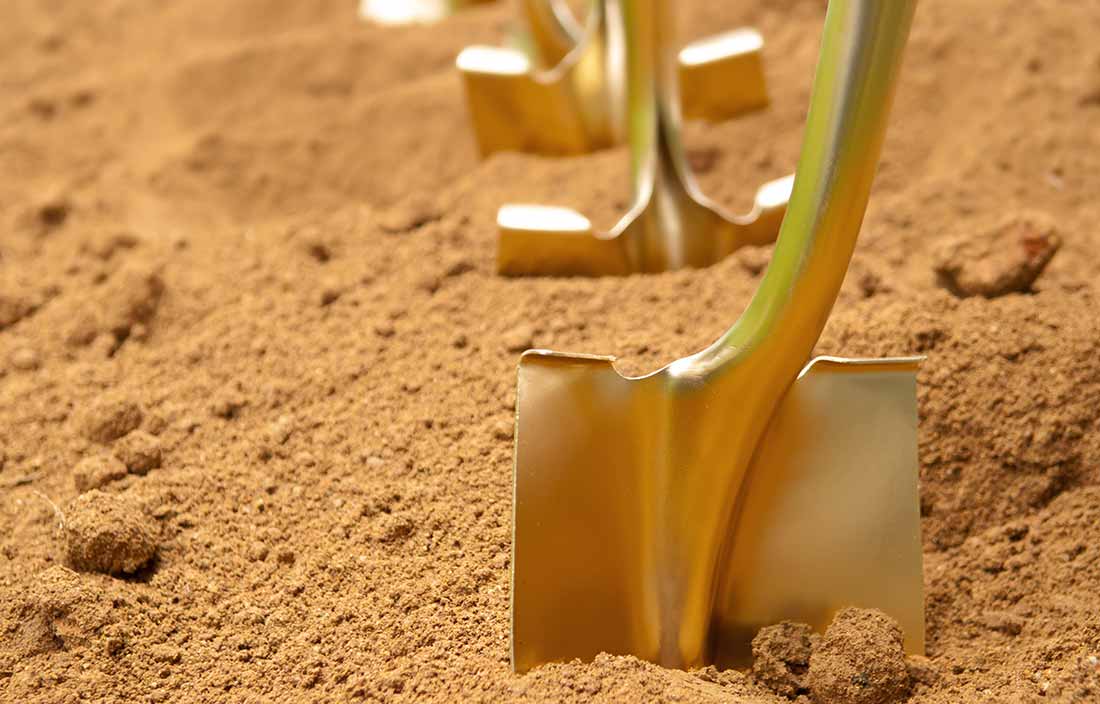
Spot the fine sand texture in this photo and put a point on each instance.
(257, 373)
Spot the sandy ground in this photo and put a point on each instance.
(246, 292)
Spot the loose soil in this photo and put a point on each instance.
(246, 287)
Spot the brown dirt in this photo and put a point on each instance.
(781, 657)
(107, 533)
(258, 232)
(859, 660)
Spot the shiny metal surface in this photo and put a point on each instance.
(671, 224)
(721, 76)
(397, 12)
(669, 516)
(567, 99)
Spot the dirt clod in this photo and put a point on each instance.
(107, 533)
(519, 338)
(859, 660)
(1007, 258)
(139, 451)
(97, 471)
(111, 418)
(132, 297)
(25, 359)
(781, 657)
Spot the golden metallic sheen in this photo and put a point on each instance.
(670, 516)
(670, 224)
(564, 95)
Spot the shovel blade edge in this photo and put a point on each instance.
(827, 516)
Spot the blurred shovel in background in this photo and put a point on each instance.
(720, 76)
(671, 516)
(670, 224)
(411, 11)
(564, 95)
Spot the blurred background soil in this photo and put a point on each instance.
(247, 293)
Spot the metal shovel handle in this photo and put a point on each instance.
(554, 30)
(861, 55)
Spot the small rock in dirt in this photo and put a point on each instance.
(82, 329)
(429, 282)
(503, 429)
(97, 471)
(318, 244)
(257, 551)
(393, 529)
(384, 329)
(107, 533)
(859, 660)
(1003, 622)
(110, 419)
(13, 308)
(330, 291)
(274, 436)
(781, 657)
(754, 259)
(410, 214)
(25, 359)
(922, 671)
(228, 405)
(114, 643)
(132, 297)
(519, 338)
(1006, 259)
(54, 211)
(165, 652)
(140, 452)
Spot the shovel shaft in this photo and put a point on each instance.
(645, 507)
(671, 223)
(554, 31)
(860, 59)
(754, 364)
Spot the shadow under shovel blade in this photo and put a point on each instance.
(607, 552)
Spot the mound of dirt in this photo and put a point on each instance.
(859, 660)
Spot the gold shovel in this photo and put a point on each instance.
(670, 516)
(721, 76)
(670, 224)
(566, 97)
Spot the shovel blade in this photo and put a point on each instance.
(827, 514)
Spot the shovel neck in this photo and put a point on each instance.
(861, 55)
(643, 66)
(554, 31)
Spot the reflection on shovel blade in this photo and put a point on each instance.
(622, 543)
